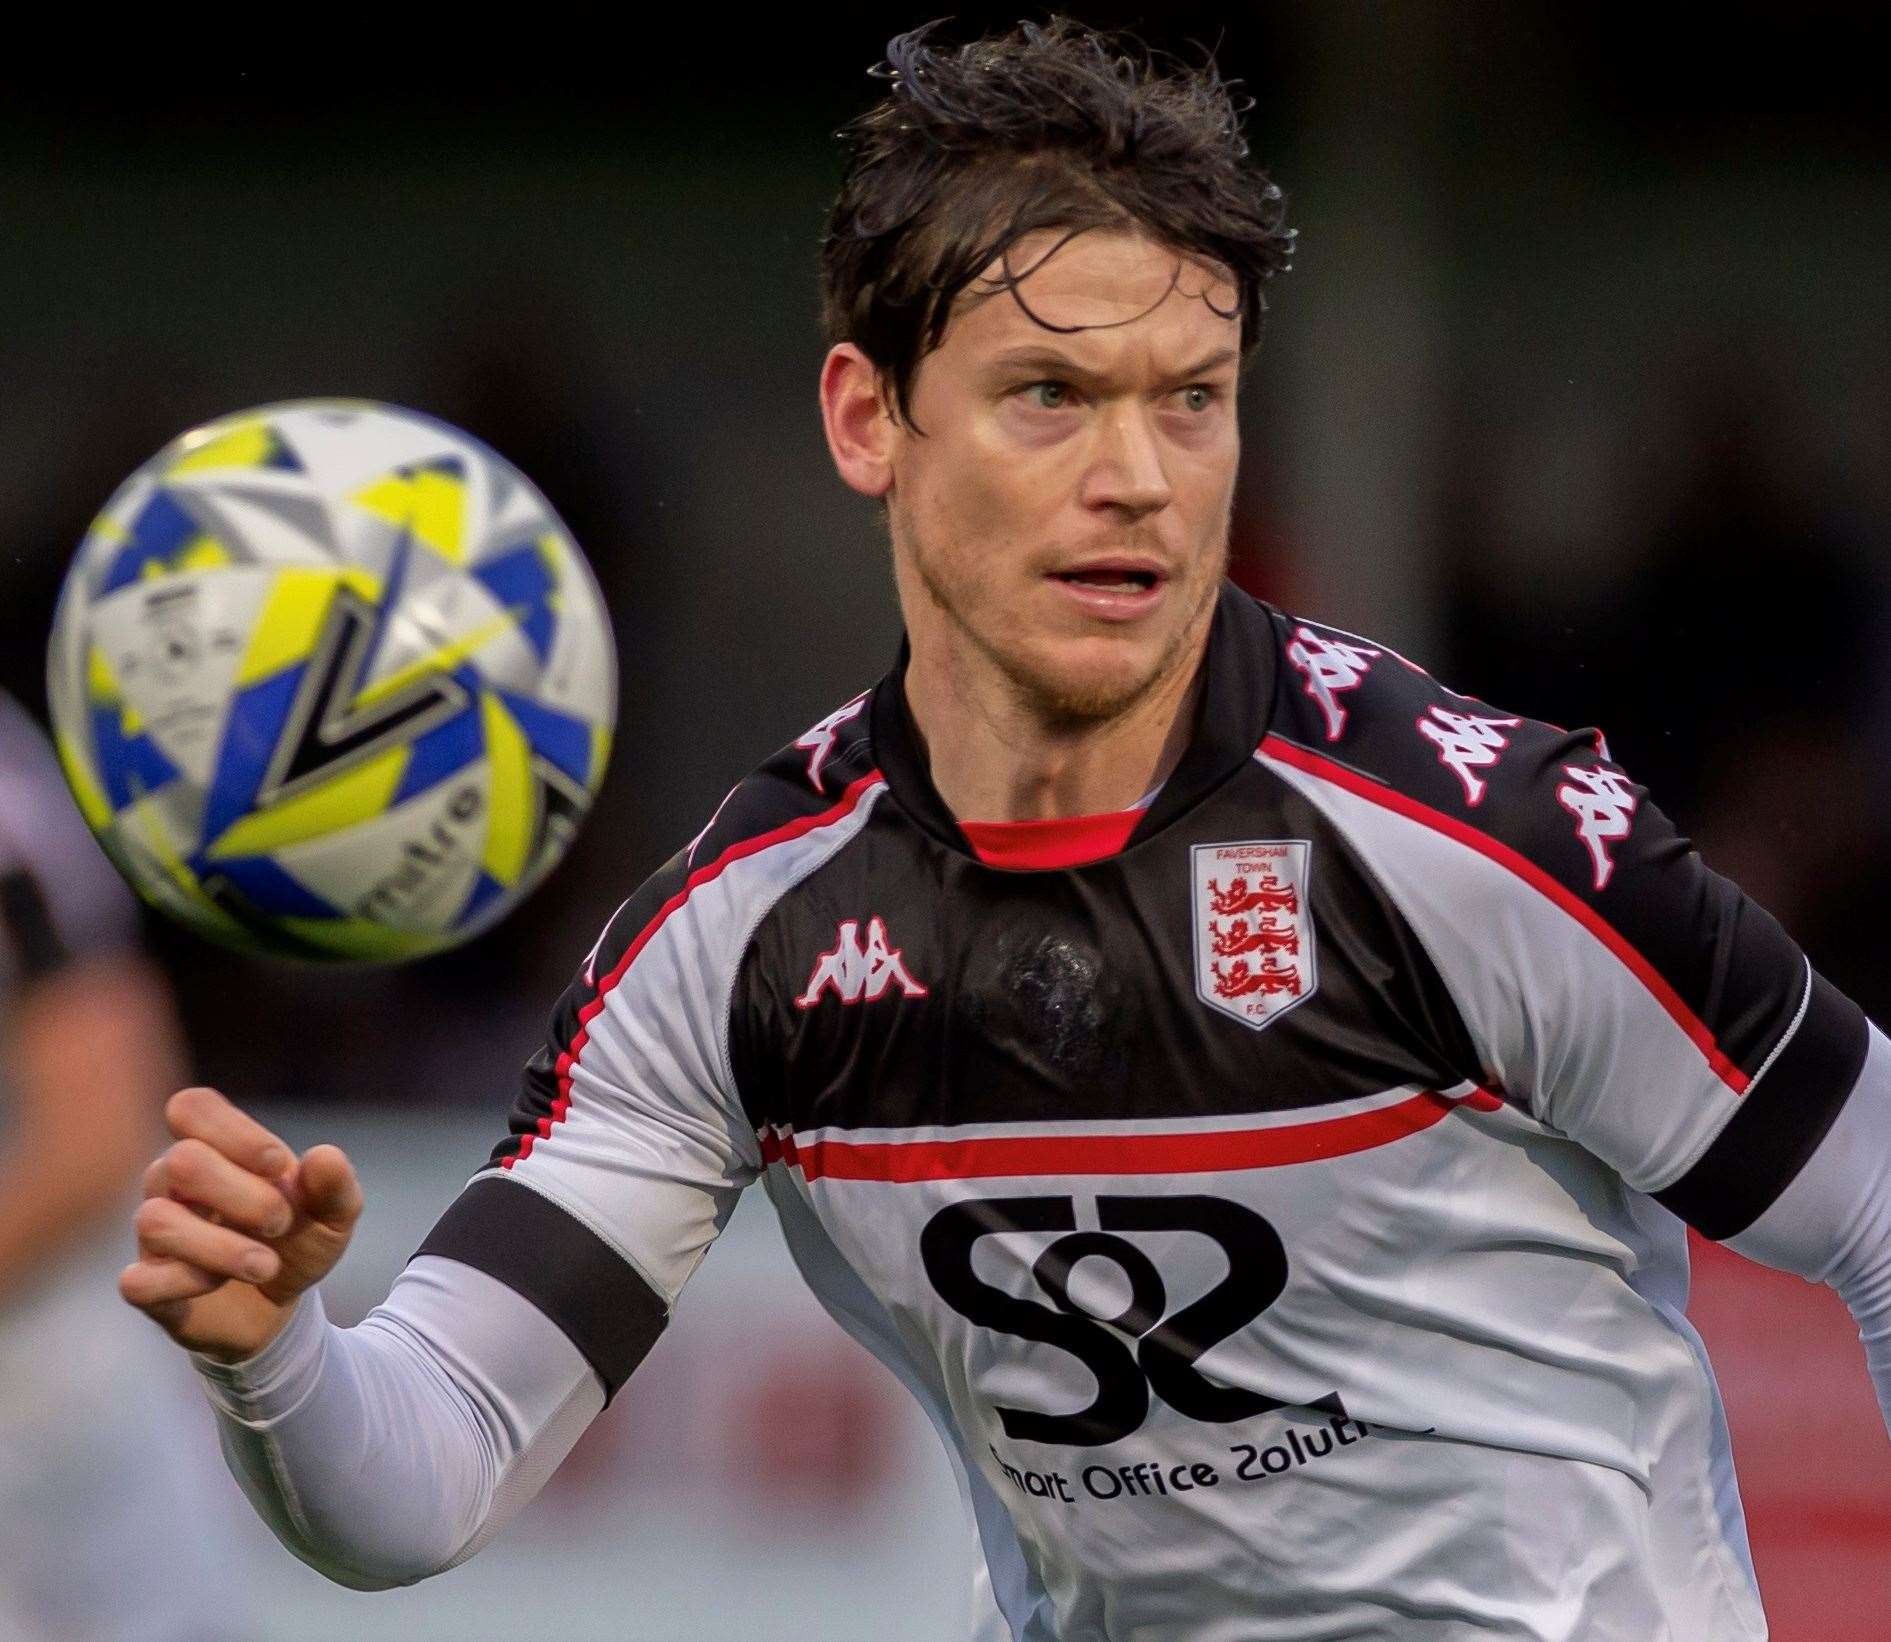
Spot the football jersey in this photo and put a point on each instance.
(1276, 1198)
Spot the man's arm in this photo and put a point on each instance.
(378, 1454)
(387, 1452)
(1618, 991)
(1833, 1223)
(393, 1450)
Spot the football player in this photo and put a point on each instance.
(1252, 1095)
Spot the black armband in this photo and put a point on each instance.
(548, 1257)
(1780, 1121)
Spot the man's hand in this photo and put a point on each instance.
(233, 1228)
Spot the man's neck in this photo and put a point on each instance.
(993, 758)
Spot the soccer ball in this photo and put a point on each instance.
(329, 680)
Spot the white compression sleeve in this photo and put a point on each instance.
(1833, 1223)
(386, 1452)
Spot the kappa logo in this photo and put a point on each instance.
(597, 946)
(818, 743)
(1253, 929)
(1603, 804)
(859, 971)
(689, 855)
(1465, 743)
(1329, 667)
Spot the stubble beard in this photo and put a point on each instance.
(1056, 699)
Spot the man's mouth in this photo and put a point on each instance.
(1115, 581)
(1115, 575)
(1113, 589)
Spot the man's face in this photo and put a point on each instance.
(1065, 512)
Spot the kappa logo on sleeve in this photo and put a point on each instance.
(818, 742)
(1253, 929)
(597, 946)
(859, 971)
(1329, 667)
(1603, 804)
(1465, 743)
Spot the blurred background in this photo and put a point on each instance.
(1579, 393)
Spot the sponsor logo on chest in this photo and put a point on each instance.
(1254, 955)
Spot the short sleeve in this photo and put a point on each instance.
(1613, 985)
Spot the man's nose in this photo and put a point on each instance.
(1126, 470)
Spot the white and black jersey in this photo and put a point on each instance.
(1275, 1196)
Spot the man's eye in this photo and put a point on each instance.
(1198, 398)
(1049, 395)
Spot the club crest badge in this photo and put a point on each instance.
(1253, 930)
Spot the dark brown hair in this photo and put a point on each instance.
(1051, 126)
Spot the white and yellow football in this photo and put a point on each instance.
(330, 680)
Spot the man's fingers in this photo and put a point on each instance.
(166, 1228)
(203, 1114)
(159, 1282)
(192, 1172)
(328, 1189)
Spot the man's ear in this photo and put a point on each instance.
(861, 432)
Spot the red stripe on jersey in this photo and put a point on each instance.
(905, 1161)
(702, 875)
(1491, 849)
(1056, 841)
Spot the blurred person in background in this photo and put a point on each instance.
(111, 1527)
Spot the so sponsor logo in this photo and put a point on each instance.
(1141, 1352)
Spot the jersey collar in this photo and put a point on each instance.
(1231, 716)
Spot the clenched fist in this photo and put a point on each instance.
(233, 1227)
